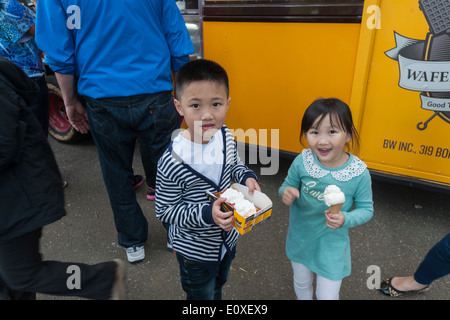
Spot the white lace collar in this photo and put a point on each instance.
(351, 170)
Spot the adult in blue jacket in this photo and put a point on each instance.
(122, 53)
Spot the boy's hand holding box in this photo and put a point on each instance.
(249, 210)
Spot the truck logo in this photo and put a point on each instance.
(425, 64)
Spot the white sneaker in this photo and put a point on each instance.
(135, 254)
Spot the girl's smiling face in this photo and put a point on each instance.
(327, 141)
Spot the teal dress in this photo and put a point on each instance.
(325, 251)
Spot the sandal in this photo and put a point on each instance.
(388, 289)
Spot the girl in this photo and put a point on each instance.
(318, 241)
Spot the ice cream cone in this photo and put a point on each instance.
(336, 208)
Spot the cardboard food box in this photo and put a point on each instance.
(262, 203)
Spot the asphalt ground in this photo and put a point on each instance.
(407, 222)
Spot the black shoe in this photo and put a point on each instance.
(388, 289)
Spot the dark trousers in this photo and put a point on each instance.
(23, 273)
(436, 263)
(198, 282)
(116, 124)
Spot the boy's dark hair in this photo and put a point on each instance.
(200, 70)
(337, 109)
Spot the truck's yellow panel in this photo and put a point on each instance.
(400, 99)
(277, 69)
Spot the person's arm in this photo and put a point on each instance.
(222, 219)
(54, 38)
(177, 35)
(169, 205)
(75, 110)
(363, 203)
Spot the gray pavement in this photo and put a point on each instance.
(406, 224)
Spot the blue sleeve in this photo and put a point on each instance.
(178, 62)
(54, 37)
(177, 35)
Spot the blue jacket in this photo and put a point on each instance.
(115, 47)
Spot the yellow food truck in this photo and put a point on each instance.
(388, 59)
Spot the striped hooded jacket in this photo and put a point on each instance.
(182, 202)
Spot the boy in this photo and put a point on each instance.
(202, 158)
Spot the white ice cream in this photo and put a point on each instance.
(333, 195)
(232, 195)
(244, 207)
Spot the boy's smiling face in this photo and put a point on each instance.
(204, 105)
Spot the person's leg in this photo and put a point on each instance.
(111, 122)
(196, 280)
(6, 293)
(436, 263)
(303, 280)
(222, 276)
(327, 289)
(23, 273)
(155, 135)
(150, 176)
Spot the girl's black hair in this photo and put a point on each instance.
(338, 110)
(200, 70)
